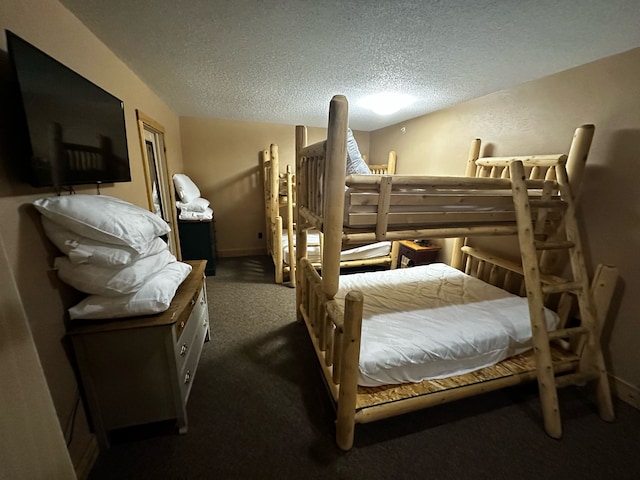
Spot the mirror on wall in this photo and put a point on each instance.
(158, 181)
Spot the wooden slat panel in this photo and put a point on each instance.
(431, 218)
(527, 161)
(426, 182)
(474, 198)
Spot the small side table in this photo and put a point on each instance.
(411, 254)
(198, 242)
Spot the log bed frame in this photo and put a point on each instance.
(280, 193)
(538, 208)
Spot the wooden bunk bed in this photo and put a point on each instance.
(280, 194)
(528, 197)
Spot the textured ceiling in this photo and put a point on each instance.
(281, 61)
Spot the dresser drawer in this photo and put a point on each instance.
(189, 339)
(185, 377)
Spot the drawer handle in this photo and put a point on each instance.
(182, 324)
(183, 349)
(187, 377)
(193, 301)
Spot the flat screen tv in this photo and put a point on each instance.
(76, 130)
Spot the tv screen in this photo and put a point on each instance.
(76, 130)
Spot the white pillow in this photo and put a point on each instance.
(105, 219)
(196, 205)
(109, 280)
(154, 297)
(186, 189)
(81, 249)
(355, 163)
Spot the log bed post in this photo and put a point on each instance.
(333, 207)
(276, 234)
(554, 261)
(266, 166)
(456, 254)
(391, 163)
(301, 230)
(273, 220)
(345, 417)
(290, 230)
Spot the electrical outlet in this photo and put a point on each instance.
(259, 234)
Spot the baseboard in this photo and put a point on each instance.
(241, 252)
(85, 463)
(627, 393)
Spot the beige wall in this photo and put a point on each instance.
(222, 158)
(540, 117)
(49, 26)
(26, 402)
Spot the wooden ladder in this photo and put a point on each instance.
(585, 339)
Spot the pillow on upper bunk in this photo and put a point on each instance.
(153, 297)
(111, 281)
(83, 250)
(355, 164)
(105, 219)
(185, 188)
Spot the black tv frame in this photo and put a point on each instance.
(75, 131)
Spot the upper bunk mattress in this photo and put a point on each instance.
(434, 321)
(418, 207)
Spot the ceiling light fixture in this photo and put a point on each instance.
(387, 103)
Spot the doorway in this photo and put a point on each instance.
(160, 192)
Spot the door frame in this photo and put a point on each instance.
(149, 129)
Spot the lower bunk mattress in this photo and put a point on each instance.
(434, 321)
(364, 252)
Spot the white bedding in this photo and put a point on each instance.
(373, 250)
(434, 321)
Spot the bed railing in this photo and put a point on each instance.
(436, 206)
(388, 168)
(335, 334)
(272, 181)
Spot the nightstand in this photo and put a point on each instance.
(198, 242)
(411, 254)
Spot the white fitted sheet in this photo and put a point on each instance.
(434, 321)
(373, 250)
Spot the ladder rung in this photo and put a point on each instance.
(554, 245)
(562, 287)
(567, 332)
(579, 378)
(559, 204)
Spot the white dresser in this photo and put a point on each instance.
(140, 370)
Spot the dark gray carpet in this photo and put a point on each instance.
(258, 410)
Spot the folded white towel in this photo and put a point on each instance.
(196, 205)
(188, 215)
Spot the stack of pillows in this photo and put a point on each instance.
(113, 251)
(191, 205)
